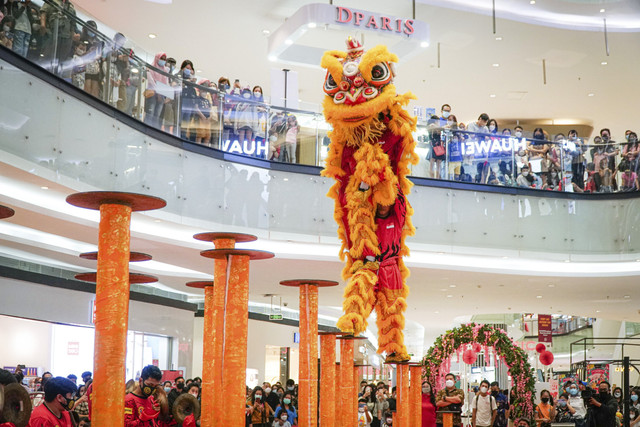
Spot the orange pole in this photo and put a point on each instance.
(112, 315)
(415, 390)
(355, 391)
(402, 371)
(308, 371)
(236, 324)
(327, 388)
(447, 420)
(348, 412)
(338, 395)
(213, 340)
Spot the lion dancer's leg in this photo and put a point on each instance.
(391, 304)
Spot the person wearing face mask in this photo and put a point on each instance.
(635, 403)
(81, 406)
(428, 405)
(364, 416)
(537, 150)
(140, 408)
(528, 179)
(270, 396)
(388, 419)
(563, 413)
(631, 150)
(189, 101)
(545, 411)
(483, 407)
(493, 126)
(602, 408)
(553, 182)
(245, 117)
(58, 15)
(154, 101)
(617, 395)
(450, 399)
(379, 407)
(58, 402)
(260, 411)
(578, 160)
(611, 149)
(175, 392)
(282, 420)
(502, 404)
(287, 406)
(22, 30)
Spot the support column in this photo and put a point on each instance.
(308, 367)
(347, 413)
(236, 321)
(402, 372)
(329, 383)
(213, 333)
(112, 297)
(415, 391)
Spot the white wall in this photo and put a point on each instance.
(260, 335)
(40, 302)
(25, 342)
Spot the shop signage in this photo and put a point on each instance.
(527, 345)
(544, 328)
(28, 372)
(371, 21)
(248, 148)
(493, 146)
(275, 317)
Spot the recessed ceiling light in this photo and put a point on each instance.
(266, 32)
(452, 286)
(288, 41)
(604, 63)
(311, 25)
(539, 296)
(273, 58)
(198, 71)
(496, 65)
(443, 289)
(499, 38)
(449, 296)
(44, 187)
(436, 312)
(602, 10)
(152, 36)
(627, 296)
(552, 286)
(532, 2)
(424, 44)
(597, 311)
(591, 94)
(286, 179)
(492, 96)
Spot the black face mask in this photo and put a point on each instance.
(545, 400)
(494, 393)
(146, 390)
(604, 395)
(180, 386)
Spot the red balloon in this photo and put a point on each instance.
(540, 347)
(469, 357)
(546, 358)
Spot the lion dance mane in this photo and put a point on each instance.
(369, 156)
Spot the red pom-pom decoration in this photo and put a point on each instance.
(546, 358)
(540, 347)
(469, 357)
(476, 347)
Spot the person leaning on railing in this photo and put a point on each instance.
(58, 23)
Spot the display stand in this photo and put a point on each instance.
(112, 297)
(213, 335)
(330, 381)
(308, 367)
(415, 393)
(231, 338)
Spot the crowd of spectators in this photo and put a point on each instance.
(483, 153)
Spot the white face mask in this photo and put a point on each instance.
(518, 134)
(257, 94)
(283, 418)
(492, 127)
(426, 390)
(483, 389)
(389, 421)
(446, 114)
(525, 173)
(449, 383)
(247, 95)
(361, 410)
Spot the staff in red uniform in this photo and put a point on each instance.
(58, 401)
(140, 408)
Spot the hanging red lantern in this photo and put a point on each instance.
(540, 347)
(476, 347)
(469, 357)
(546, 358)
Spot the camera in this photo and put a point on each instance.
(586, 395)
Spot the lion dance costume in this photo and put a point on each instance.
(369, 156)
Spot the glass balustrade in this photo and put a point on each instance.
(194, 109)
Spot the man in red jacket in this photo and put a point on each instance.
(58, 401)
(140, 408)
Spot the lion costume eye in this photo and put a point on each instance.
(330, 85)
(380, 74)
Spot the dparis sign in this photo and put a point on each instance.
(373, 22)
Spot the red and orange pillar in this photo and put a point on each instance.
(402, 384)
(415, 392)
(346, 412)
(112, 296)
(308, 368)
(330, 381)
(230, 320)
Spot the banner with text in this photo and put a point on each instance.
(544, 328)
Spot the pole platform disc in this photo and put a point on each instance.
(299, 282)
(6, 212)
(134, 278)
(225, 253)
(133, 256)
(137, 202)
(337, 334)
(200, 284)
(351, 337)
(213, 236)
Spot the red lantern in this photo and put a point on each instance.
(540, 347)
(546, 358)
(469, 357)
(476, 347)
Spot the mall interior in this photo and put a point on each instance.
(95, 97)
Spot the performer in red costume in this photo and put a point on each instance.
(140, 408)
(58, 401)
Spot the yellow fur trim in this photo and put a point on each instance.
(332, 61)
(359, 298)
(372, 57)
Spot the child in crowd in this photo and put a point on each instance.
(282, 420)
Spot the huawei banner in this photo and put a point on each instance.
(544, 328)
